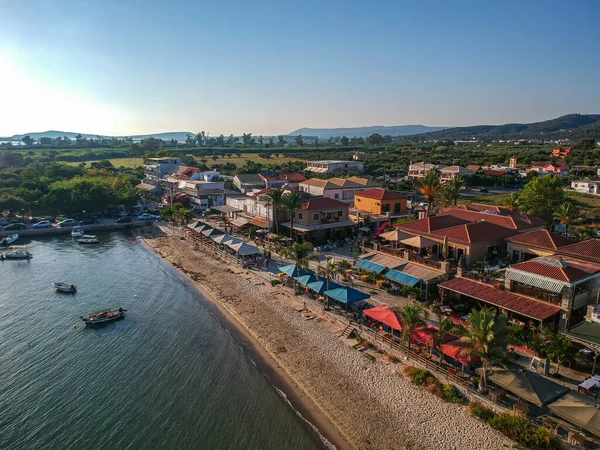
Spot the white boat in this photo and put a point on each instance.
(88, 239)
(9, 239)
(77, 231)
(17, 253)
(64, 287)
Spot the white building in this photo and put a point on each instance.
(452, 172)
(337, 188)
(203, 194)
(328, 166)
(586, 186)
(419, 170)
(156, 168)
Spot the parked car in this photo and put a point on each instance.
(67, 223)
(15, 226)
(36, 219)
(43, 224)
(147, 217)
(3, 222)
(17, 220)
(89, 220)
(125, 219)
(484, 190)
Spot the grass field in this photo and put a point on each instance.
(118, 162)
(248, 157)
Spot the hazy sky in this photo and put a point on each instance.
(269, 67)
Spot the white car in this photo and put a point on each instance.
(43, 224)
(67, 223)
(147, 217)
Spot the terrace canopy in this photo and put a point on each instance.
(424, 335)
(293, 270)
(232, 242)
(304, 280)
(419, 242)
(222, 238)
(386, 315)
(402, 278)
(367, 265)
(395, 235)
(578, 410)
(244, 249)
(454, 350)
(320, 285)
(529, 386)
(346, 295)
(239, 222)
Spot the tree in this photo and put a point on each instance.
(565, 214)
(12, 203)
(299, 141)
(271, 142)
(375, 139)
(316, 143)
(344, 141)
(27, 140)
(430, 186)
(200, 138)
(485, 336)
(512, 201)
(260, 140)
(280, 141)
(247, 139)
(445, 325)
(560, 350)
(276, 199)
(291, 202)
(413, 316)
(302, 254)
(445, 197)
(454, 187)
(542, 195)
(183, 215)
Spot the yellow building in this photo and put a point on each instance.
(379, 201)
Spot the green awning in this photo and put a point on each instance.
(402, 278)
(369, 266)
(346, 295)
(305, 279)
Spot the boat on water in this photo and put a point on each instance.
(77, 231)
(16, 253)
(88, 239)
(106, 316)
(65, 288)
(9, 240)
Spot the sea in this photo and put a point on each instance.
(168, 376)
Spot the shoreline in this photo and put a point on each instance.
(289, 388)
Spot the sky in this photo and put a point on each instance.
(269, 67)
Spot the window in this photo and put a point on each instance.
(299, 215)
(316, 216)
(336, 196)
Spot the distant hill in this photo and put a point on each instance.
(568, 126)
(177, 135)
(400, 130)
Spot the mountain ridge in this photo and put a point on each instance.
(167, 135)
(350, 132)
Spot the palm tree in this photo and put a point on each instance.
(291, 202)
(301, 254)
(445, 197)
(430, 186)
(445, 325)
(329, 270)
(276, 199)
(512, 202)
(454, 187)
(183, 215)
(485, 336)
(565, 214)
(413, 316)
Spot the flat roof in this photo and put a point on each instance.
(585, 332)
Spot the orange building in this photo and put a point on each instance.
(562, 152)
(379, 201)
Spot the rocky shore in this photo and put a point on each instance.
(372, 405)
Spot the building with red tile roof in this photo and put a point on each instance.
(588, 250)
(540, 242)
(494, 173)
(431, 224)
(519, 222)
(476, 232)
(554, 268)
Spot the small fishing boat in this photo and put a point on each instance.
(77, 231)
(64, 287)
(88, 239)
(17, 253)
(9, 240)
(106, 316)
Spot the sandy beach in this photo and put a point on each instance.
(354, 402)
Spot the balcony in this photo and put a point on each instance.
(330, 220)
(430, 261)
(539, 294)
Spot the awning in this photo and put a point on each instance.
(425, 335)
(239, 222)
(222, 238)
(320, 285)
(305, 279)
(395, 235)
(210, 232)
(329, 211)
(386, 315)
(146, 187)
(529, 386)
(244, 249)
(402, 278)
(419, 242)
(226, 208)
(367, 265)
(346, 295)
(578, 410)
(593, 381)
(535, 280)
(455, 351)
(259, 222)
(232, 242)
(293, 270)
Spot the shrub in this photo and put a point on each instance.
(417, 376)
(182, 238)
(365, 344)
(433, 386)
(275, 282)
(522, 431)
(451, 394)
(480, 411)
(392, 358)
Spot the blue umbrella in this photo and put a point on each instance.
(305, 279)
(320, 285)
(294, 271)
(346, 295)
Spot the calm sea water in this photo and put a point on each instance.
(169, 376)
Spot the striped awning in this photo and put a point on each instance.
(402, 278)
(537, 281)
(369, 266)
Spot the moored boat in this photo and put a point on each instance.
(9, 239)
(17, 253)
(88, 239)
(77, 231)
(64, 287)
(106, 316)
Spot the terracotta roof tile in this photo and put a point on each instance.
(543, 239)
(589, 250)
(431, 224)
(323, 203)
(474, 232)
(562, 272)
(508, 300)
(380, 194)
(515, 221)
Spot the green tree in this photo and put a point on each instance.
(445, 197)
(430, 186)
(27, 140)
(344, 141)
(542, 195)
(565, 214)
(413, 316)
(329, 271)
(454, 187)
(260, 140)
(485, 336)
(299, 140)
(291, 202)
(275, 196)
(280, 141)
(200, 138)
(512, 201)
(302, 254)
(247, 139)
(560, 350)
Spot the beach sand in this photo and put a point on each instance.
(354, 402)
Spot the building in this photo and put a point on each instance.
(419, 170)
(547, 167)
(474, 212)
(562, 152)
(249, 182)
(336, 188)
(513, 162)
(453, 172)
(585, 250)
(529, 245)
(155, 169)
(290, 180)
(379, 201)
(203, 194)
(475, 169)
(330, 166)
(586, 186)
(320, 219)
